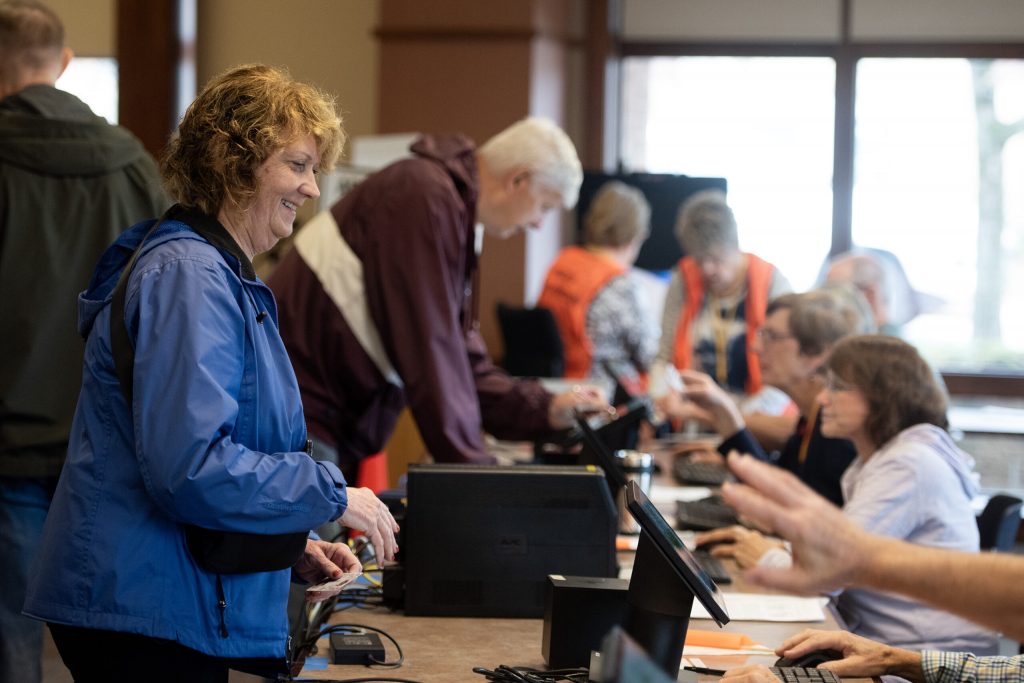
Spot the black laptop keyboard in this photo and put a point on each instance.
(713, 566)
(799, 674)
(702, 515)
(692, 473)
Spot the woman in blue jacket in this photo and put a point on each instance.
(207, 431)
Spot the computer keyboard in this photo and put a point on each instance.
(702, 515)
(799, 674)
(691, 473)
(712, 566)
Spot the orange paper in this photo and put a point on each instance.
(726, 641)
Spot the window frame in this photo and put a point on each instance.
(846, 55)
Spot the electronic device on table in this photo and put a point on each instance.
(689, 472)
(619, 431)
(705, 514)
(666, 578)
(712, 566)
(481, 540)
(799, 674)
(623, 661)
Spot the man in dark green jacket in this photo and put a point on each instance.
(69, 184)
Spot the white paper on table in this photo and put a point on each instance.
(761, 607)
(697, 651)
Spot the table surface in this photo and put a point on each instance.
(448, 648)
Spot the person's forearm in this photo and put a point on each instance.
(905, 664)
(727, 421)
(983, 587)
(771, 430)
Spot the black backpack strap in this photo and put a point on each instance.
(120, 345)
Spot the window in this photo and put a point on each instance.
(94, 81)
(763, 123)
(939, 163)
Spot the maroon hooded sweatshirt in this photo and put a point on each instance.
(412, 227)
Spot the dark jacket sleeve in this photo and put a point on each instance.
(415, 283)
(744, 442)
(511, 408)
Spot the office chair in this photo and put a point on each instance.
(533, 345)
(998, 523)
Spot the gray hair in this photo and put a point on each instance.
(705, 221)
(543, 148)
(818, 319)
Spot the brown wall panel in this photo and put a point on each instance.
(471, 87)
(437, 86)
(451, 15)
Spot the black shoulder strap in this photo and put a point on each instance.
(120, 345)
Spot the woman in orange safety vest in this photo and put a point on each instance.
(716, 301)
(597, 306)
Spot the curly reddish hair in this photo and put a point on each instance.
(236, 123)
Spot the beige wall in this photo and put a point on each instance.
(819, 20)
(327, 42)
(89, 25)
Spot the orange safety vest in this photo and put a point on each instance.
(759, 280)
(575, 278)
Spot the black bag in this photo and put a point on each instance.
(221, 552)
(235, 552)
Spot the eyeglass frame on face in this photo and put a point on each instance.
(768, 336)
(835, 383)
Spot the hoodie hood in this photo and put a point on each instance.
(178, 222)
(455, 153)
(101, 288)
(87, 143)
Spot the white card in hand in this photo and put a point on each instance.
(334, 585)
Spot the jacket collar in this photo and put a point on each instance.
(213, 232)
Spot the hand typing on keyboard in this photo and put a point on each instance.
(758, 673)
(860, 658)
(746, 546)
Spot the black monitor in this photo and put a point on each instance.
(480, 540)
(665, 193)
(623, 661)
(596, 452)
(615, 431)
(665, 580)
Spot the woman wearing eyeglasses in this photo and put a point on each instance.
(909, 481)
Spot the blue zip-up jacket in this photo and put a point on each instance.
(215, 438)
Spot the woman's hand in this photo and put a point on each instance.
(828, 549)
(723, 414)
(366, 513)
(674, 406)
(322, 561)
(746, 546)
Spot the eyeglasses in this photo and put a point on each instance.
(835, 383)
(769, 336)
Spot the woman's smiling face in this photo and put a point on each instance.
(285, 181)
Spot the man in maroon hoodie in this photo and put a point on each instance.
(377, 300)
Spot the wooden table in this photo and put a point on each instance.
(447, 648)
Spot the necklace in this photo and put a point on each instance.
(720, 325)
